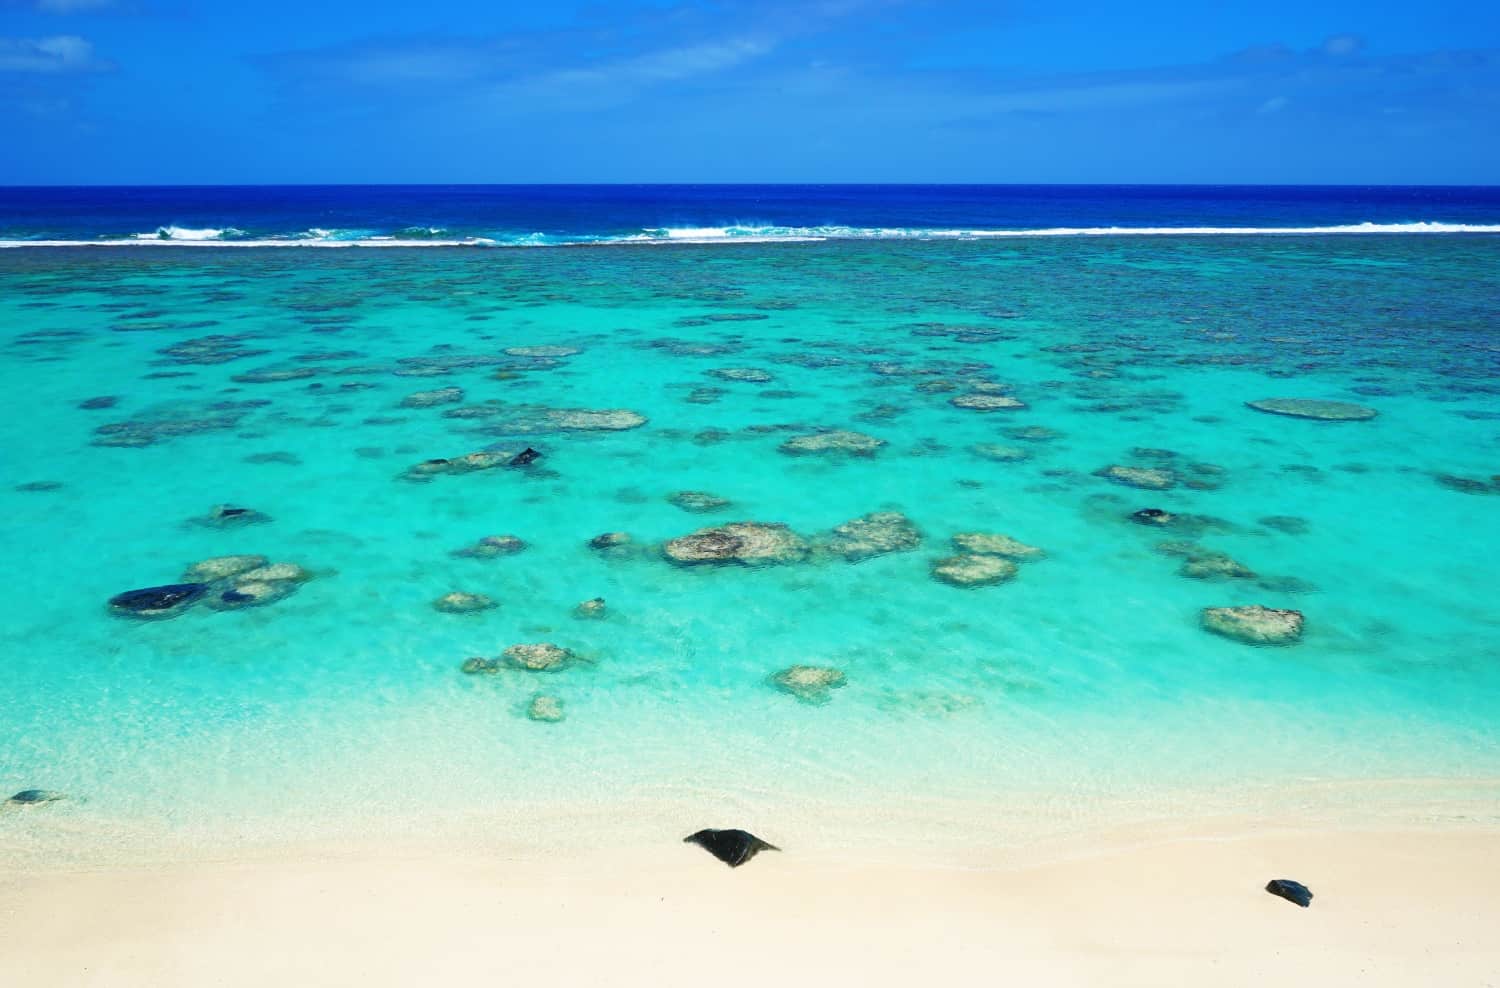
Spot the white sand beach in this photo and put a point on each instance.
(1391, 908)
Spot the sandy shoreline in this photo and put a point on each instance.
(1392, 908)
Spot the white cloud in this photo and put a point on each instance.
(59, 53)
(616, 82)
(1095, 96)
(669, 64)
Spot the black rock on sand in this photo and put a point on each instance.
(733, 847)
(1290, 891)
(34, 797)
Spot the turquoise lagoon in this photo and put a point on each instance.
(1081, 694)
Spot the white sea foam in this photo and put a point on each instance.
(185, 234)
(742, 232)
(146, 240)
(699, 232)
(418, 237)
(334, 234)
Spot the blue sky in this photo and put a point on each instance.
(177, 91)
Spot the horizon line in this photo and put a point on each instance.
(757, 185)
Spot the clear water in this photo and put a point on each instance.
(1083, 692)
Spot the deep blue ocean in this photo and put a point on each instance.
(567, 214)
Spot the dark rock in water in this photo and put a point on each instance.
(1214, 566)
(1287, 584)
(810, 684)
(698, 502)
(515, 420)
(880, 413)
(1290, 524)
(271, 375)
(748, 543)
(468, 463)
(547, 350)
(1255, 624)
(1145, 478)
(276, 456)
(835, 442)
(1180, 548)
(733, 847)
(217, 349)
(173, 420)
(430, 467)
(970, 570)
(1312, 408)
(1467, 485)
(157, 602)
(1188, 525)
(1000, 453)
(986, 402)
(232, 516)
(252, 593)
(610, 540)
(988, 544)
(222, 568)
(1290, 891)
(479, 664)
(705, 396)
(752, 375)
(276, 573)
(429, 399)
(593, 608)
(545, 709)
(33, 797)
(491, 547)
(1033, 433)
(525, 457)
(461, 602)
(538, 657)
(103, 401)
(873, 535)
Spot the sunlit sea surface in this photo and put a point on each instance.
(1081, 693)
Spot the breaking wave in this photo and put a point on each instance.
(435, 236)
(182, 234)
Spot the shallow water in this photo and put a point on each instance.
(1081, 692)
